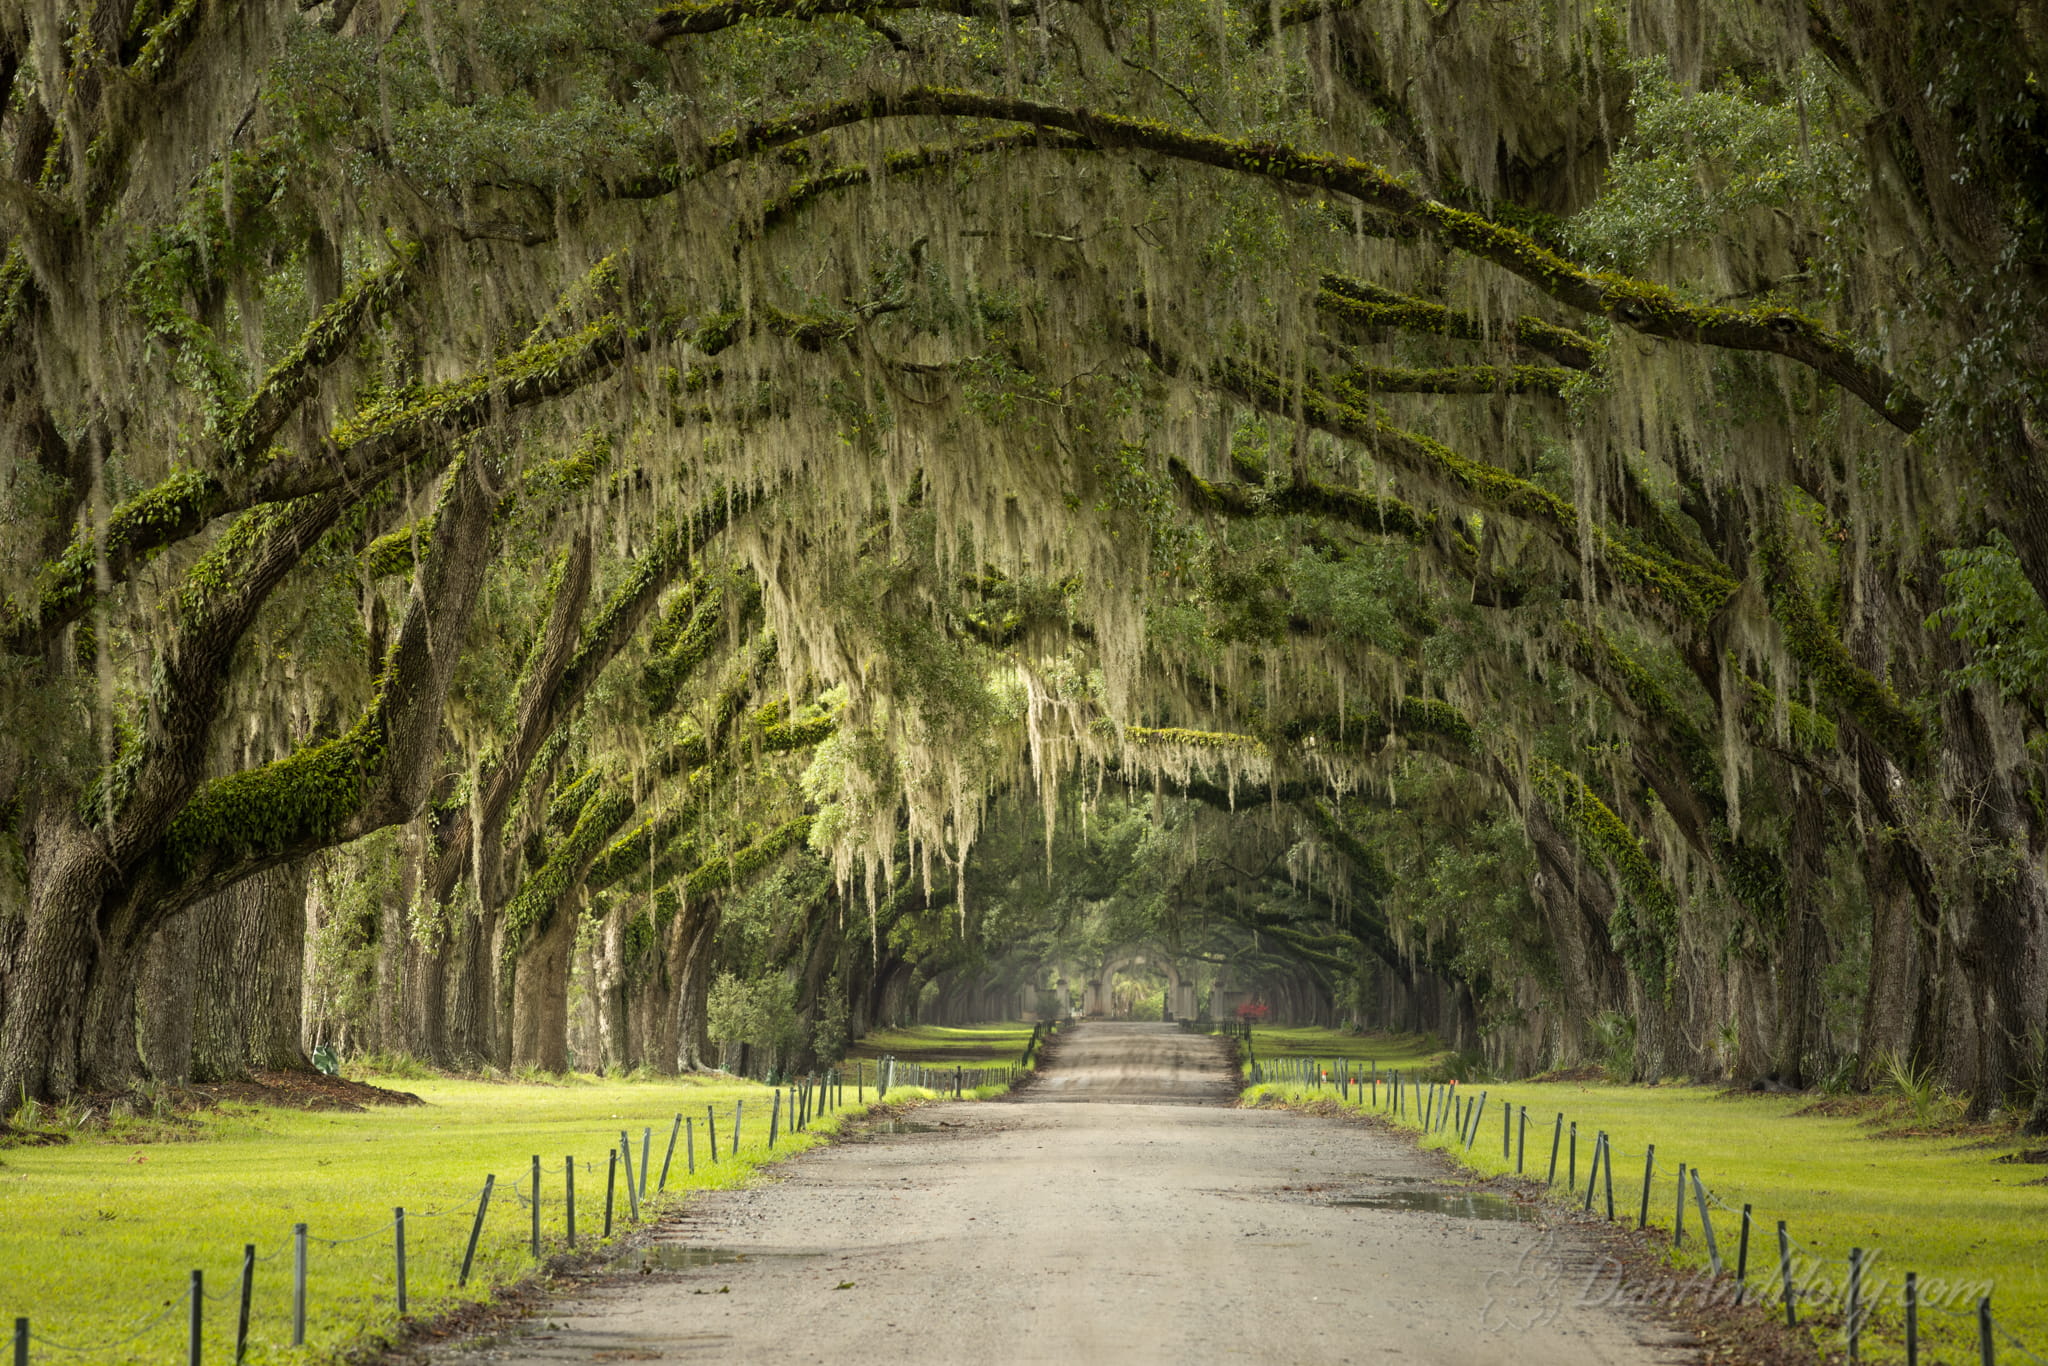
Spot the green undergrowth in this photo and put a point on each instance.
(102, 1233)
(999, 1044)
(1939, 1205)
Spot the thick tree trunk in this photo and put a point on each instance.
(422, 962)
(648, 991)
(612, 1025)
(2002, 915)
(57, 956)
(248, 960)
(540, 996)
(1801, 952)
(1892, 998)
(109, 1040)
(166, 996)
(697, 936)
(475, 1014)
(1576, 903)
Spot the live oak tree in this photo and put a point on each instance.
(634, 449)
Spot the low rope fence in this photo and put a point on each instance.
(1792, 1278)
(793, 1107)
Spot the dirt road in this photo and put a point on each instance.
(1110, 1229)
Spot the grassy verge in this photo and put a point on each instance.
(990, 1045)
(103, 1233)
(1405, 1051)
(1936, 1204)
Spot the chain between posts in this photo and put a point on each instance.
(172, 1308)
(820, 1098)
(1432, 1107)
(2022, 1348)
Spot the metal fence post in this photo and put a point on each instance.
(1742, 1260)
(646, 1150)
(21, 1342)
(1785, 1271)
(1699, 1195)
(242, 1318)
(611, 1181)
(398, 1249)
(476, 1229)
(1649, 1170)
(569, 1195)
(198, 1314)
(670, 1155)
(1912, 1318)
(298, 1285)
(1986, 1348)
(632, 1197)
(536, 1206)
(1853, 1324)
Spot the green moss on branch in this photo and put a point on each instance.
(1645, 923)
(1825, 664)
(1548, 380)
(1362, 304)
(1694, 592)
(1640, 305)
(1377, 515)
(736, 869)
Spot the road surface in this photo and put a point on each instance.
(1124, 1213)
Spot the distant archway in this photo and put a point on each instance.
(1180, 992)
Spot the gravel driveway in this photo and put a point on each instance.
(1144, 1220)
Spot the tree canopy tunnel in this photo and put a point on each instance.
(564, 532)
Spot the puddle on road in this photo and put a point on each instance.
(677, 1257)
(1457, 1204)
(902, 1126)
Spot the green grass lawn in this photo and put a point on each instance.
(990, 1045)
(102, 1236)
(1937, 1205)
(1405, 1051)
